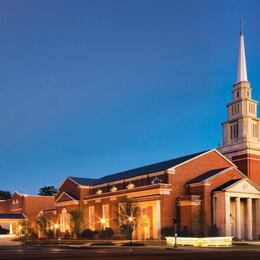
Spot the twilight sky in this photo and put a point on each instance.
(89, 88)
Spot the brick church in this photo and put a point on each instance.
(222, 184)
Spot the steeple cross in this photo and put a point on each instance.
(241, 26)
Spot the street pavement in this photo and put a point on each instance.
(126, 253)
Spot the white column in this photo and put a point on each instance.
(158, 211)
(214, 202)
(249, 219)
(10, 228)
(257, 217)
(238, 219)
(227, 208)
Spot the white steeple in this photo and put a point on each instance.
(241, 70)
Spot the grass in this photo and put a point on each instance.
(133, 244)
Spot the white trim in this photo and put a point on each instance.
(202, 154)
(64, 193)
(66, 203)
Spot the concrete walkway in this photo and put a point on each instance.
(6, 240)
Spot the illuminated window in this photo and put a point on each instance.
(91, 218)
(64, 221)
(105, 215)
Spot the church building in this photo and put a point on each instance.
(219, 187)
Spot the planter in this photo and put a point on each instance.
(200, 241)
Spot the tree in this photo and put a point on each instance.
(128, 217)
(77, 217)
(5, 195)
(47, 191)
(42, 222)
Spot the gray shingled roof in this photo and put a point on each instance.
(156, 167)
(226, 184)
(206, 175)
(12, 216)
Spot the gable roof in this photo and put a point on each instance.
(67, 195)
(152, 168)
(83, 181)
(12, 216)
(206, 175)
(226, 184)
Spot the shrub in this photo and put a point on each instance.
(88, 234)
(186, 232)
(167, 231)
(4, 231)
(67, 235)
(50, 234)
(106, 233)
(213, 231)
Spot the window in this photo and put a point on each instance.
(91, 217)
(254, 130)
(234, 131)
(238, 94)
(64, 221)
(105, 215)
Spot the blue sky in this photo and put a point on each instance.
(89, 88)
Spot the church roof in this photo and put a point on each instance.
(226, 184)
(152, 168)
(12, 216)
(206, 175)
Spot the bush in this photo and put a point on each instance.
(3, 231)
(88, 234)
(67, 235)
(213, 231)
(186, 232)
(167, 231)
(106, 233)
(50, 234)
(133, 244)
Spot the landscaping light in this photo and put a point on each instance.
(56, 226)
(130, 219)
(102, 221)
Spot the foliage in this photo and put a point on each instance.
(4, 195)
(128, 216)
(47, 191)
(42, 222)
(27, 231)
(77, 217)
(214, 231)
(88, 234)
(50, 234)
(186, 232)
(106, 233)
(199, 227)
(3, 231)
(67, 234)
(133, 244)
(167, 231)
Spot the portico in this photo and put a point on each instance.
(236, 209)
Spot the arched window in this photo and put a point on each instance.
(64, 221)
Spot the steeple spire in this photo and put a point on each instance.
(241, 70)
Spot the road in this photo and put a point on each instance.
(151, 253)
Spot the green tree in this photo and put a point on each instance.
(42, 222)
(47, 191)
(128, 216)
(77, 217)
(5, 195)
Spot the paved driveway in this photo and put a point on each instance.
(6, 240)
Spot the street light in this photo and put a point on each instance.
(174, 222)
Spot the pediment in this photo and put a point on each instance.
(64, 197)
(243, 185)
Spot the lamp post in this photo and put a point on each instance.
(174, 222)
